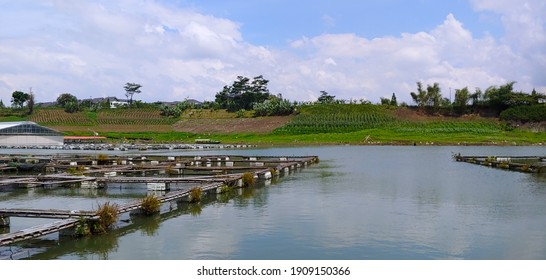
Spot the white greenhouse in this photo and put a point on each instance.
(28, 134)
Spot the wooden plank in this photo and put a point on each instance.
(37, 231)
(49, 213)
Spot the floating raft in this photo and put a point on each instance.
(527, 164)
(210, 182)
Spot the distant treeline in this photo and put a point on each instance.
(246, 94)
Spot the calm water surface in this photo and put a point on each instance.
(359, 202)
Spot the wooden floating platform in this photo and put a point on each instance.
(37, 231)
(47, 213)
(213, 182)
(527, 164)
(182, 165)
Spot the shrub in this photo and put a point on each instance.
(274, 107)
(150, 205)
(196, 194)
(241, 113)
(170, 170)
(248, 179)
(170, 111)
(82, 228)
(102, 159)
(76, 170)
(225, 189)
(108, 215)
(525, 113)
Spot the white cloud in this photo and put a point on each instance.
(525, 33)
(94, 48)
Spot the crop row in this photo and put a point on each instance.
(143, 116)
(350, 121)
(50, 117)
(449, 127)
(128, 121)
(337, 122)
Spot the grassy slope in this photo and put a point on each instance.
(317, 124)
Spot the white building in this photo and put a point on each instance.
(28, 134)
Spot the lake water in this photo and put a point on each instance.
(358, 203)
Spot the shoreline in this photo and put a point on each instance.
(229, 146)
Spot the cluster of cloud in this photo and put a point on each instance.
(92, 48)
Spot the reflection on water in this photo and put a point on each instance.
(357, 203)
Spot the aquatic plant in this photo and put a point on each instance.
(169, 169)
(196, 194)
(82, 227)
(150, 205)
(102, 159)
(76, 170)
(248, 179)
(225, 189)
(274, 171)
(195, 209)
(108, 215)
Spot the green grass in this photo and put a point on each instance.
(12, 119)
(314, 124)
(328, 118)
(371, 124)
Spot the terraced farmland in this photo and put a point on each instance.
(144, 116)
(55, 117)
(108, 120)
(336, 119)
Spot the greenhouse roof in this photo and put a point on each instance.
(26, 127)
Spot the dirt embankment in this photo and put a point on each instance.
(231, 125)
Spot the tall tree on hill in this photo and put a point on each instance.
(431, 97)
(420, 98)
(325, 97)
(434, 96)
(30, 102)
(461, 100)
(69, 102)
(130, 90)
(18, 98)
(393, 101)
(66, 98)
(243, 94)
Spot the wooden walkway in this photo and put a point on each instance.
(71, 217)
(526, 164)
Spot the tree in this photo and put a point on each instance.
(30, 103)
(243, 94)
(420, 98)
(498, 97)
(434, 97)
(430, 97)
(274, 106)
(2, 106)
(130, 90)
(462, 96)
(393, 100)
(65, 98)
(68, 102)
(18, 99)
(476, 97)
(537, 97)
(325, 98)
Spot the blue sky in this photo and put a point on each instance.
(275, 22)
(178, 49)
